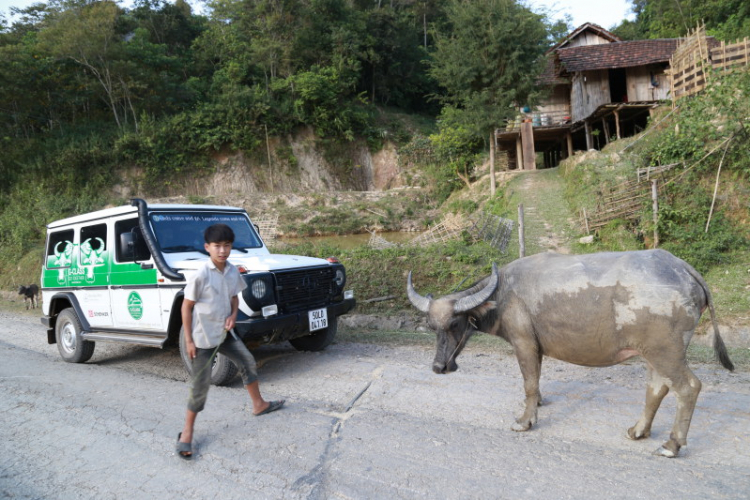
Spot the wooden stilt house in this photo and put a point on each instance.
(600, 87)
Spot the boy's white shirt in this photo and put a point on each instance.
(212, 290)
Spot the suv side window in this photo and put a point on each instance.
(140, 250)
(93, 244)
(60, 249)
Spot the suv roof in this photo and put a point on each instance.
(126, 209)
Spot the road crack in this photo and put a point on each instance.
(318, 475)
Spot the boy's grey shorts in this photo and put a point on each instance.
(200, 381)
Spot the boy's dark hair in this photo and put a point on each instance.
(218, 233)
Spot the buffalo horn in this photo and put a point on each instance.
(421, 303)
(468, 303)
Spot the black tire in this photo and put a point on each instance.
(70, 343)
(223, 370)
(319, 340)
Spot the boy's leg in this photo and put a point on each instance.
(200, 381)
(238, 353)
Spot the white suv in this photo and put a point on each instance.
(118, 275)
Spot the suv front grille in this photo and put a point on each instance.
(304, 289)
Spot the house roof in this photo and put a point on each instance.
(623, 54)
(551, 75)
(595, 28)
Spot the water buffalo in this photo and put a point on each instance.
(591, 310)
(30, 294)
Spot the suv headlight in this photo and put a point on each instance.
(339, 277)
(260, 290)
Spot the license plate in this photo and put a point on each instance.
(318, 319)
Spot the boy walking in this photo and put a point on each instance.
(209, 313)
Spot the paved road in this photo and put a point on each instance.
(362, 421)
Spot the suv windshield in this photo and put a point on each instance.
(183, 231)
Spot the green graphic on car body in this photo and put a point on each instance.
(135, 305)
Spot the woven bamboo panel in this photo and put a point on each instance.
(728, 56)
(687, 64)
(267, 226)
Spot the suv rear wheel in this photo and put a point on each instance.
(222, 369)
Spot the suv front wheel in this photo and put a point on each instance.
(222, 369)
(70, 343)
(319, 340)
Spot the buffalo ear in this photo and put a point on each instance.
(482, 309)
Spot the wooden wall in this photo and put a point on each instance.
(640, 83)
(586, 38)
(555, 109)
(590, 90)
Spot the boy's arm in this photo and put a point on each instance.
(232, 319)
(187, 325)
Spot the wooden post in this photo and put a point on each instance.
(589, 140)
(655, 198)
(716, 186)
(605, 127)
(586, 221)
(492, 164)
(519, 153)
(569, 140)
(617, 123)
(268, 150)
(521, 236)
(527, 144)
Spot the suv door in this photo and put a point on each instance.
(134, 290)
(92, 275)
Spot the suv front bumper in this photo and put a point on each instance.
(281, 327)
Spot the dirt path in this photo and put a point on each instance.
(547, 218)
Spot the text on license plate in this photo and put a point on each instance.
(318, 319)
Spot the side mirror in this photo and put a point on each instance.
(133, 246)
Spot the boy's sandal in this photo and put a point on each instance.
(184, 450)
(272, 406)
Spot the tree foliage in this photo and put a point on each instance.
(728, 20)
(156, 86)
(488, 60)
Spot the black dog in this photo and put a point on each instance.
(30, 294)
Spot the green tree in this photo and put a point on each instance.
(487, 62)
(726, 19)
(87, 36)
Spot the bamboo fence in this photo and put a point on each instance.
(625, 201)
(493, 229)
(693, 55)
(448, 229)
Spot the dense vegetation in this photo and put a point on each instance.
(703, 214)
(89, 89)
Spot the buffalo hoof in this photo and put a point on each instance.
(636, 435)
(670, 449)
(521, 427)
(663, 452)
(442, 369)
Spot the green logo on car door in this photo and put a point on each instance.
(135, 305)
